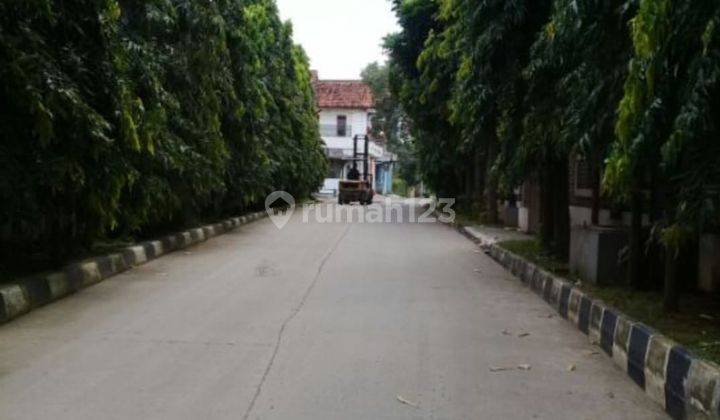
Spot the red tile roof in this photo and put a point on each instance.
(343, 94)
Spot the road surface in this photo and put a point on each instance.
(314, 321)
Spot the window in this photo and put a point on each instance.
(335, 169)
(584, 175)
(584, 180)
(341, 126)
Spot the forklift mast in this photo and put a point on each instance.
(366, 155)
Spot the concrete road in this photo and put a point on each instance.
(314, 321)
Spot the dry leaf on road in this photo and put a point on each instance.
(406, 402)
(500, 368)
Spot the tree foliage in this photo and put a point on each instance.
(634, 81)
(518, 87)
(122, 117)
(668, 114)
(459, 68)
(390, 122)
(426, 102)
(573, 90)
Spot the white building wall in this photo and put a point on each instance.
(358, 121)
(582, 216)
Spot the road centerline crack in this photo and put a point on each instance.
(293, 314)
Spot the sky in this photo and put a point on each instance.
(340, 36)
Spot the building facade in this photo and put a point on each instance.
(345, 110)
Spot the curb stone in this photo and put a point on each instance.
(23, 296)
(686, 386)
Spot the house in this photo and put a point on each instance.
(600, 233)
(598, 230)
(345, 111)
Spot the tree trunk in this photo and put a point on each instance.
(671, 293)
(491, 195)
(635, 257)
(554, 208)
(478, 180)
(468, 189)
(654, 275)
(561, 213)
(595, 219)
(547, 219)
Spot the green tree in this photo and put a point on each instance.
(666, 129)
(390, 122)
(125, 117)
(426, 102)
(459, 68)
(570, 102)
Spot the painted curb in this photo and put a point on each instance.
(687, 387)
(17, 299)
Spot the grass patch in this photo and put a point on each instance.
(467, 219)
(696, 326)
(400, 187)
(532, 251)
(464, 217)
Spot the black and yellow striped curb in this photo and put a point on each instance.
(687, 387)
(27, 294)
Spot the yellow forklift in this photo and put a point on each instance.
(355, 189)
